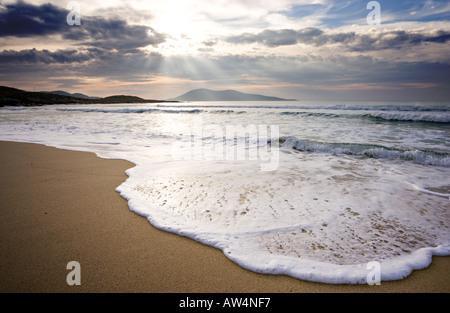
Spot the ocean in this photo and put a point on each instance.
(332, 192)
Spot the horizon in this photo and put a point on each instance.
(172, 98)
(130, 95)
(321, 50)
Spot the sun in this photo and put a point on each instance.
(179, 26)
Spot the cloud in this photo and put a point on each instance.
(108, 47)
(350, 40)
(27, 20)
(22, 19)
(304, 70)
(275, 38)
(396, 40)
(114, 34)
(34, 56)
(311, 70)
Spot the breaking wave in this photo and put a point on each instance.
(433, 158)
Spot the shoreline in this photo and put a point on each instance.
(60, 206)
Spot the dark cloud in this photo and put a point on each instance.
(27, 20)
(92, 62)
(22, 19)
(33, 56)
(351, 40)
(115, 34)
(396, 40)
(44, 65)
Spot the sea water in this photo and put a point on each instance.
(314, 190)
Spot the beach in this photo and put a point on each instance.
(59, 206)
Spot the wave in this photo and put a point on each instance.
(426, 117)
(127, 111)
(149, 110)
(383, 107)
(433, 158)
(424, 114)
(435, 117)
(334, 107)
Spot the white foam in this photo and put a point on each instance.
(444, 195)
(373, 151)
(436, 117)
(298, 221)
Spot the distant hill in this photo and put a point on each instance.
(125, 99)
(16, 97)
(75, 95)
(224, 95)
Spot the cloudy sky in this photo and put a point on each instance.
(158, 49)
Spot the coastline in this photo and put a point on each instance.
(60, 206)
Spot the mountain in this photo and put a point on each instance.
(224, 95)
(75, 95)
(16, 97)
(124, 99)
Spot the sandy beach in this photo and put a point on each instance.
(59, 206)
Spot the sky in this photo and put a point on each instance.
(159, 49)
